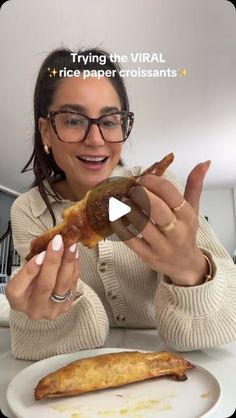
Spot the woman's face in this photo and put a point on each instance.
(95, 97)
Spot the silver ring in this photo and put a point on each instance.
(61, 299)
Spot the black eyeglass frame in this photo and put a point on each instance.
(52, 114)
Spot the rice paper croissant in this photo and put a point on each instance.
(76, 227)
(110, 370)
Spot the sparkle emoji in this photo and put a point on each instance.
(182, 72)
(52, 73)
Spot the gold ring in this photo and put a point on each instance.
(177, 208)
(168, 227)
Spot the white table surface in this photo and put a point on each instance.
(221, 362)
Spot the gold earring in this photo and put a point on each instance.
(46, 149)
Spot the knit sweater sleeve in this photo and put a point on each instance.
(204, 316)
(84, 326)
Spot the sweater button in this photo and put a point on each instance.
(111, 295)
(102, 267)
(120, 318)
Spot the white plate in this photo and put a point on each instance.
(196, 397)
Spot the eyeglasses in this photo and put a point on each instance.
(71, 126)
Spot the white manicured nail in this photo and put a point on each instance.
(77, 252)
(72, 248)
(57, 243)
(40, 258)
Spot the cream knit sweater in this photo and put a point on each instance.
(119, 290)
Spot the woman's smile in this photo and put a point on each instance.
(93, 162)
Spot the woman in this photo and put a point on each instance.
(177, 277)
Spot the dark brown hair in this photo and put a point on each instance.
(44, 166)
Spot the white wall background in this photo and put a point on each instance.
(218, 205)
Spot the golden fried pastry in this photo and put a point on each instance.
(108, 371)
(76, 227)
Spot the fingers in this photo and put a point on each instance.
(163, 189)
(76, 271)
(151, 236)
(59, 274)
(20, 283)
(146, 226)
(65, 274)
(160, 212)
(56, 270)
(48, 273)
(123, 233)
(194, 185)
(71, 284)
(139, 246)
(167, 192)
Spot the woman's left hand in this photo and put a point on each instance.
(168, 242)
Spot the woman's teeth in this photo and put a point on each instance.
(93, 159)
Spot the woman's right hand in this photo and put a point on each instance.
(55, 270)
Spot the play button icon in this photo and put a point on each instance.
(117, 209)
(104, 206)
